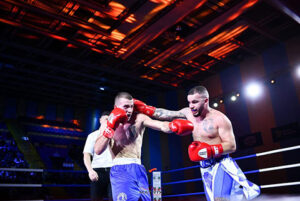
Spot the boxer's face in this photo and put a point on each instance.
(197, 103)
(126, 105)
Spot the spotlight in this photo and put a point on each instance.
(215, 105)
(233, 98)
(221, 101)
(253, 90)
(102, 88)
(25, 138)
(178, 28)
(238, 95)
(298, 71)
(272, 81)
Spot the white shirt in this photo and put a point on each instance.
(99, 161)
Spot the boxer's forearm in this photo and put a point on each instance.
(101, 144)
(228, 147)
(165, 127)
(163, 114)
(157, 125)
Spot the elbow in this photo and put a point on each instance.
(229, 148)
(233, 148)
(97, 150)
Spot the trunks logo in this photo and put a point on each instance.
(122, 197)
(144, 190)
(202, 153)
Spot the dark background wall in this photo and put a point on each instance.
(252, 121)
(12, 107)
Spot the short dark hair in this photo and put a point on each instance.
(198, 89)
(123, 95)
(105, 113)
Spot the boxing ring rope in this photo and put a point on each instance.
(247, 172)
(21, 185)
(269, 152)
(42, 171)
(280, 184)
(21, 170)
(273, 168)
(240, 158)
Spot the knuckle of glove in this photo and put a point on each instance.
(173, 127)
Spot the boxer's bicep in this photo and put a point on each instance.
(226, 134)
(101, 144)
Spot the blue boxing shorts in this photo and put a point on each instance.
(224, 180)
(129, 180)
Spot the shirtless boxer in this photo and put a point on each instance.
(123, 133)
(213, 141)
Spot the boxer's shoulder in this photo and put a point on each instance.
(185, 111)
(216, 114)
(139, 119)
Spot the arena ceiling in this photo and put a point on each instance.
(83, 52)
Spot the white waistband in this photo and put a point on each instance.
(124, 161)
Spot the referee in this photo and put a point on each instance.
(99, 166)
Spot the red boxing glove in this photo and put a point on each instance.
(116, 117)
(181, 127)
(141, 107)
(199, 151)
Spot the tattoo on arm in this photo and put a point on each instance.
(163, 114)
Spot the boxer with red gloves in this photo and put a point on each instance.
(141, 107)
(116, 117)
(213, 140)
(123, 134)
(199, 151)
(181, 127)
(157, 113)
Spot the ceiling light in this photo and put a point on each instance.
(233, 98)
(253, 90)
(298, 71)
(215, 105)
(102, 88)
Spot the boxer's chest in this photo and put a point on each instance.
(126, 133)
(205, 129)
